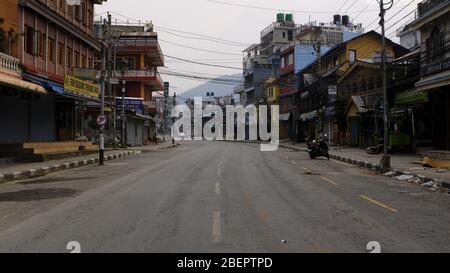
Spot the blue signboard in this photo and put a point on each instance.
(131, 104)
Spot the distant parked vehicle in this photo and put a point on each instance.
(318, 148)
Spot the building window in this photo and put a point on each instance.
(30, 40)
(41, 44)
(51, 50)
(83, 61)
(129, 63)
(352, 56)
(69, 58)
(89, 63)
(71, 11)
(77, 59)
(79, 12)
(60, 54)
(62, 5)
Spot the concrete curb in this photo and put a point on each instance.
(15, 176)
(444, 186)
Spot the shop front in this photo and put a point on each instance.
(26, 109)
(411, 119)
(436, 83)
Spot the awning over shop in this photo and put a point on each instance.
(58, 88)
(17, 82)
(435, 81)
(285, 117)
(411, 96)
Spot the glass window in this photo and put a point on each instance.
(51, 50)
(61, 56)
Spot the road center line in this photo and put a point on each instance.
(285, 157)
(217, 188)
(293, 162)
(329, 181)
(216, 229)
(378, 203)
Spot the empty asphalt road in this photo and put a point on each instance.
(221, 197)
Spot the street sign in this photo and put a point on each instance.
(166, 89)
(114, 81)
(101, 120)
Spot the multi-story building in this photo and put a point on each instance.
(433, 22)
(137, 58)
(262, 60)
(49, 39)
(310, 41)
(318, 84)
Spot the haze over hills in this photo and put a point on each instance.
(218, 89)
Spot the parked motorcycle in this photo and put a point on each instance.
(318, 148)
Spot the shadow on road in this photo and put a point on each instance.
(55, 179)
(36, 194)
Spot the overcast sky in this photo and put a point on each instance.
(235, 23)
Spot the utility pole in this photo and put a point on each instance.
(318, 33)
(174, 103)
(385, 163)
(109, 67)
(101, 155)
(122, 113)
(104, 52)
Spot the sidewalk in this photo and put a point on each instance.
(19, 171)
(402, 164)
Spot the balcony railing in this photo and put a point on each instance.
(429, 5)
(138, 42)
(9, 63)
(278, 25)
(435, 54)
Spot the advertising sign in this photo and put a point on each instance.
(131, 104)
(80, 87)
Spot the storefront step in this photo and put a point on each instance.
(43, 157)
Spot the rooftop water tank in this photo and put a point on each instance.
(289, 17)
(337, 19)
(280, 17)
(345, 20)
